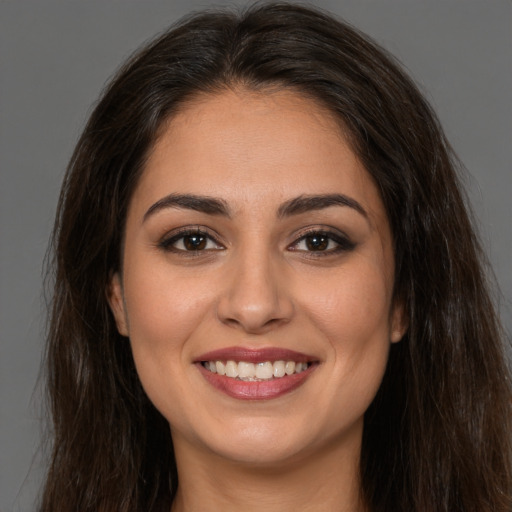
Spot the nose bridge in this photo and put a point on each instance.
(256, 296)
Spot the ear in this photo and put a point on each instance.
(399, 321)
(116, 302)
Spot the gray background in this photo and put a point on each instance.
(55, 59)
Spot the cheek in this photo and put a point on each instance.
(352, 306)
(164, 307)
(352, 313)
(163, 312)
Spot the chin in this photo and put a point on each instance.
(261, 442)
(260, 451)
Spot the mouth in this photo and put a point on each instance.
(262, 374)
(255, 372)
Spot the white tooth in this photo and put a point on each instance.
(298, 367)
(279, 370)
(220, 367)
(245, 370)
(289, 367)
(264, 370)
(212, 366)
(231, 369)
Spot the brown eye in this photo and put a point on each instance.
(195, 242)
(317, 242)
(323, 243)
(190, 241)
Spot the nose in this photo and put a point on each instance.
(256, 298)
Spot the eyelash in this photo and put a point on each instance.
(343, 243)
(169, 243)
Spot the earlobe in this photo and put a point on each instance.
(399, 322)
(116, 302)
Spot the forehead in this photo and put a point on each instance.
(244, 146)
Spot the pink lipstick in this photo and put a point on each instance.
(255, 374)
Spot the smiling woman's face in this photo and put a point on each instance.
(257, 246)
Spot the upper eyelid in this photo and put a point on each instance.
(188, 230)
(326, 230)
(177, 234)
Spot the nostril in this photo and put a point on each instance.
(252, 327)
(255, 297)
(252, 319)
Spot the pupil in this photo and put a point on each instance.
(194, 242)
(317, 242)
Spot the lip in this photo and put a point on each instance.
(256, 390)
(259, 355)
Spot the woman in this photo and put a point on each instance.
(268, 293)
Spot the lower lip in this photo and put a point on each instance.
(256, 390)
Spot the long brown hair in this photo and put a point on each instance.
(437, 436)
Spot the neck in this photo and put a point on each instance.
(325, 480)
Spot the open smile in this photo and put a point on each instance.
(255, 374)
(251, 372)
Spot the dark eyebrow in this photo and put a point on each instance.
(203, 204)
(303, 204)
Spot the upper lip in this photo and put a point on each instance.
(252, 355)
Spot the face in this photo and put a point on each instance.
(257, 279)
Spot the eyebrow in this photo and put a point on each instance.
(307, 203)
(214, 206)
(204, 204)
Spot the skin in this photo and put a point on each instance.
(257, 284)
